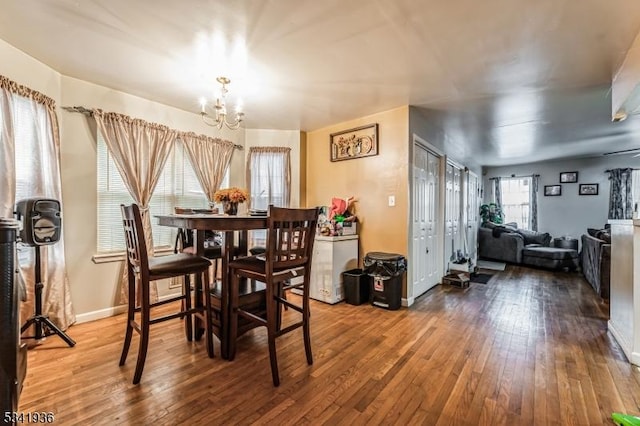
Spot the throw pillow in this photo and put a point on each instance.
(533, 237)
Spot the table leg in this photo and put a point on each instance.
(227, 254)
(198, 326)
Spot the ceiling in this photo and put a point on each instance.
(512, 81)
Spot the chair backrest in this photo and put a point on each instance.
(290, 237)
(134, 237)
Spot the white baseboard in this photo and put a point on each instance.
(626, 347)
(102, 313)
(110, 312)
(406, 302)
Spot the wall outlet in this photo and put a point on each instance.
(392, 200)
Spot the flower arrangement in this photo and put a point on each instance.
(233, 194)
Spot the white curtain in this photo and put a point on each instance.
(269, 176)
(30, 168)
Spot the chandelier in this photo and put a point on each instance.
(220, 119)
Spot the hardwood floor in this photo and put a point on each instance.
(529, 347)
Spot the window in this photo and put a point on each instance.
(29, 123)
(177, 186)
(516, 200)
(269, 170)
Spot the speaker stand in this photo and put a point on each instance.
(42, 322)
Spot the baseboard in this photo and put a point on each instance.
(635, 358)
(626, 347)
(406, 302)
(110, 312)
(99, 314)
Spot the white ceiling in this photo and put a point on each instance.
(513, 81)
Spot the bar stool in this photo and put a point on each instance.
(290, 238)
(143, 269)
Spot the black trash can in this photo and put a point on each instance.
(356, 286)
(386, 271)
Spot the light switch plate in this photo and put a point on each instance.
(392, 200)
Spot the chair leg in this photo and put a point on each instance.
(208, 325)
(188, 323)
(144, 340)
(272, 324)
(131, 283)
(233, 315)
(306, 313)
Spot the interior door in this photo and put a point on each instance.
(473, 209)
(453, 218)
(425, 271)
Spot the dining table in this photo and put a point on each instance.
(235, 231)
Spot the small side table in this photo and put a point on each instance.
(566, 243)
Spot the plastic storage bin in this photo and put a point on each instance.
(386, 271)
(356, 286)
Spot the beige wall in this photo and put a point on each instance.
(371, 180)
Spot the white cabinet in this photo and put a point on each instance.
(331, 257)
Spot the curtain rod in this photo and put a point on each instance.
(88, 112)
(513, 176)
(609, 171)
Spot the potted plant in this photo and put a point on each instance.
(491, 213)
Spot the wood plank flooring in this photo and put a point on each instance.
(530, 347)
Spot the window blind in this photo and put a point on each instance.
(177, 186)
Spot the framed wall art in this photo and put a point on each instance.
(568, 177)
(354, 143)
(552, 190)
(588, 189)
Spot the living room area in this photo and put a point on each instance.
(572, 225)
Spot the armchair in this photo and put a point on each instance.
(507, 247)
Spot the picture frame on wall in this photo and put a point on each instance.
(354, 143)
(568, 177)
(588, 189)
(552, 190)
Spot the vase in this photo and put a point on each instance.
(230, 208)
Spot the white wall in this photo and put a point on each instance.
(568, 214)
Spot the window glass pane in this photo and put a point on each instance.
(177, 186)
(516, 196)
(267, 173)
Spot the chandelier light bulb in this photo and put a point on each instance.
(219, 117)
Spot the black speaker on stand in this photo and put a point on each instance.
(41, 225)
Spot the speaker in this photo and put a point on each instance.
(41, 221)
(13, 357)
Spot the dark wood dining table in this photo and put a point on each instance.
(229, 226)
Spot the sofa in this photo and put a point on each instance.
(595, 259)
(506, 243)
(509, 244)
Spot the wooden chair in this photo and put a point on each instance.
(143, 269)
(290, 238)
